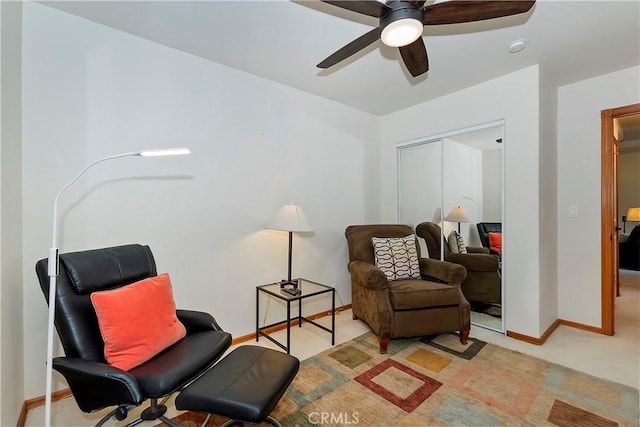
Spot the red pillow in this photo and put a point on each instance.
(495, 242)
(137, 321)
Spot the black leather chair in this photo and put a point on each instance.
(96, 384)
(630, 250)
(484, 228)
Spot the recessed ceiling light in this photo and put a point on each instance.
(517, 45)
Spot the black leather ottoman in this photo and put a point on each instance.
(245, 385)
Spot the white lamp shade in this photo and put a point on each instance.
(290, 217)
(458, 214)
(633, 214)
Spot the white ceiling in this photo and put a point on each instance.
(483, 140)
(284, 40)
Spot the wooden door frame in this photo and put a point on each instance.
(607, 208)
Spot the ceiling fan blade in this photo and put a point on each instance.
(415, 57)
(351, 48)
(371, 8)
(458, 11)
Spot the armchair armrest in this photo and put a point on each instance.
(97, 385)
(474, 262)
(444, 271)
(368, 275)
(478, 250)
(197, 321)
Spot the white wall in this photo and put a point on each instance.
(420, 192)
(514, 98)
(491, 186)
(462, 168)
(548, 249)
(91, 91)
(426, 168)
(11, 293)
(579, 269)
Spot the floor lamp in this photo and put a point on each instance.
(290, 218)
(53, 259)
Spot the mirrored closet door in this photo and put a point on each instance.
(452, 183)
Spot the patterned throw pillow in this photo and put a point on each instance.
(456, 243)
(397, 257)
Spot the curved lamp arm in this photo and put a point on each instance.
(53, 260)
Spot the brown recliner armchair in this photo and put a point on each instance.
(404, 308)
(482, 283)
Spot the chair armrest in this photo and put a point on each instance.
(368, 275)
(474, 262)
(97, 385)
(442, 270)
(478, 250)
(197, 321)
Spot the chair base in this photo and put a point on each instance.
(154, 412)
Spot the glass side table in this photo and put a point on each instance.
(308, 289)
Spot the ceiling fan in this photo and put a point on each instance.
(401, 24)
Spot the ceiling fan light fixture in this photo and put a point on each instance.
(402, 32)
(401, 26)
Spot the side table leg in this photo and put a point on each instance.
(333, 316)
(257, 314)
(288, 326)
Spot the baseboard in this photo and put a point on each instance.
(58, 395)
(551, 329)
(582, 326)
(39, 401)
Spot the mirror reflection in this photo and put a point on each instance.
(450, 190)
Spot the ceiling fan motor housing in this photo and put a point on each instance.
(401, 10)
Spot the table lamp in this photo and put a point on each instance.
(458, 214)
(53, 259)
(633, 215)
(290, 218)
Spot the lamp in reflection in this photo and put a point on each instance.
(458, 214)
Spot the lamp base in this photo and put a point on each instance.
(292, 282)
(290, 287)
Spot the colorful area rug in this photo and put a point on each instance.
(436, 381)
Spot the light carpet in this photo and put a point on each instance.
(436, 381)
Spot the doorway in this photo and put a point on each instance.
(609, 212)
